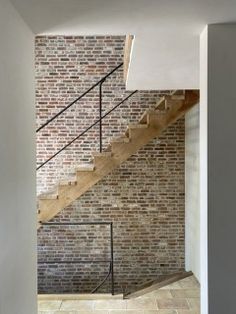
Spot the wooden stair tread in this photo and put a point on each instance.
(145, 117)
(138, 126)
(177, 97)
(85, 167)
(72, 181)
(102, 154)
(48, 196)
(123, 139)
(163, 102)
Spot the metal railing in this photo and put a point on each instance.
(99, 121)
(110, 273)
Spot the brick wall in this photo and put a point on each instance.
(144, 198)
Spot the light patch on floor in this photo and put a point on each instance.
(181, 297)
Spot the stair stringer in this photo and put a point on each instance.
(152, 125)
(162, 281)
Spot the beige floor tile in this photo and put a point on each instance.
(126, 312)
(142, 304)
(174, 285)
(85, 312)
(185, 293)
(192, 293)
(161, 312)
(194, 303)
(65, 312)
(68, 312)
(195, 281)
(182, 297)
(172, 304)
(59, 312)
(49, 305)
(76, 312)
(189, 283)
(77, 305)
(160, 294)
(93, 312)
(188, 312)
(166, 312)
(110, 304)
(178, 293)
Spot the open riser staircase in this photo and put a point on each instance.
(150, 125)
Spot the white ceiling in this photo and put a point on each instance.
(166, 47)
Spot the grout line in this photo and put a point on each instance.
(60, 305)
(189, 305)
(93, 305)
(157, 304)
(171, 295)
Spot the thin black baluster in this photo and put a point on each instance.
(100, 116)
(112, 260)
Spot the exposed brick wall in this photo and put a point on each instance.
(72, 243)
(144, 197)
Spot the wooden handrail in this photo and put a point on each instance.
(127, 53)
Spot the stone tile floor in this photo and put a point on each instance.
(182, 297)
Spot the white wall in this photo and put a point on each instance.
(204, 169)
(218, 115)
(192, 193)
(17, 165)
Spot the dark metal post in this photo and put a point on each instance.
(100, 116)
(112, 261)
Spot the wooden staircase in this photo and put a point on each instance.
(151, 124)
